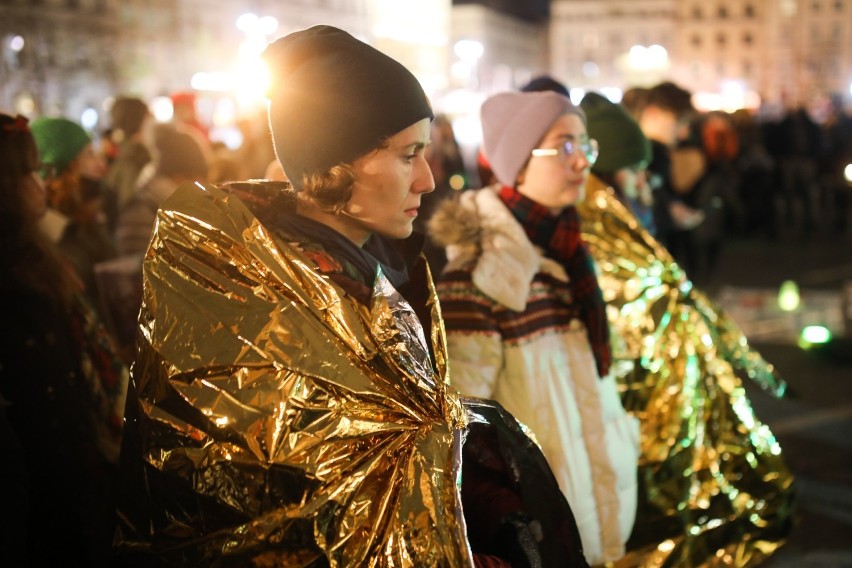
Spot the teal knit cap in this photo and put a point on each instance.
(59, 142)
(620, 140)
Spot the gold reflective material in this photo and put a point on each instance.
(714, 488)
(291, 422)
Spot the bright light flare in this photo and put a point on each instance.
(252, 25)
(162, 109)
(89, 118)
(646, 58)
(814, 335)
(788, 296)
(847, 173)
(212, 81)
(247, 22)
(468, 50)
(16, 43)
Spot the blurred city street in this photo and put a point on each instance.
(814, 423)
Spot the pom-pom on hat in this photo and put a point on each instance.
(334, 98)
(620, 139)
(514, 123)
(59, 142)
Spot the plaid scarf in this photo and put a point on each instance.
(559, 238)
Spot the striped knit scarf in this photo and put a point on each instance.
(559, 238)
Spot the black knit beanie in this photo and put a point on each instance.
(620, 139)
(334, 98)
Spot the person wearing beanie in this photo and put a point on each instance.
(525, 317)
(130, 119)
(680, 318)
(73, 175)
(64, 144)
(178, 159)
(664, 111)
(625, 153)
(290, 401)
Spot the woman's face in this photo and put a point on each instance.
(633, 182)
(90, 164)
(559, 180)
(388, 186)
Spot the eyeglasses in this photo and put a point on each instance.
(589, 148)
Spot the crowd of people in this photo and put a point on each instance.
(340, 346)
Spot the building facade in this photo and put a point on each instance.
(731, 53)
(66, 56)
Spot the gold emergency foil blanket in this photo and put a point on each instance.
(281, 423)
(714, 488)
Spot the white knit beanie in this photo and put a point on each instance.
(514, 123)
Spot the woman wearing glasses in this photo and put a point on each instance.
(525, 318)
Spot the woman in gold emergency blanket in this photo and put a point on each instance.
(714, 489)
(290, 401)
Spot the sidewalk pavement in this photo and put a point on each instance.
(814, 423)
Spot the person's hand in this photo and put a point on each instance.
(685, 217)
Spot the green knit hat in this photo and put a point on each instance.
(59, 142)
(620, 140)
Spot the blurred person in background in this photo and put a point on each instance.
(837, 157)
(663, 111)
(224, 164)
(177, 158)
(680, 363)
(717, 195)
(75, 220)
(625, 153)
(546, 83)
(796, 146)
(290, 401)
(185, 115)
(756, 171)
(130, 120)
(61, 386)
(256, 151)
(526, 320)
(448, 170)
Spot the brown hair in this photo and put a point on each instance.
(30, 261)
(330, 190)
